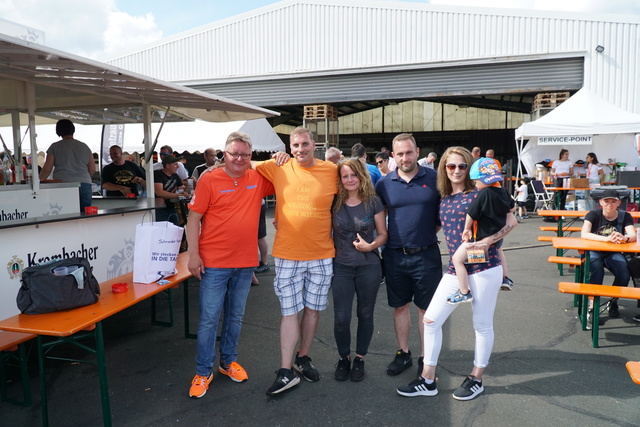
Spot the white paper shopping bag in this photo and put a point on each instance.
(156, 251)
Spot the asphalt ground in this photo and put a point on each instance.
(543, 370)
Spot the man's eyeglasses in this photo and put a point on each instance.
(164, 154)
(235, 156)
(379, 162)
(453, 166)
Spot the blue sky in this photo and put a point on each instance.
(102, 29)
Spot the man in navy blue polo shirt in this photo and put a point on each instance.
(412, 263)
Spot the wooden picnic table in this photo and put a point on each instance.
(67, 325)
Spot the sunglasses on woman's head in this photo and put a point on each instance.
(453, 166)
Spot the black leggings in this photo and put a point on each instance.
(363, 282)
(562, 193)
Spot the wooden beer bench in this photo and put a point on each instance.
(596, 291)
(12, 347)
(72, 326)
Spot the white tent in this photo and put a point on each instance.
(584, 123)
(185, 136)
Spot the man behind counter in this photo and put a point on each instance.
(121, 177)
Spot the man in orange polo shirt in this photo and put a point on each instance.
(222, 233)
(303, 251)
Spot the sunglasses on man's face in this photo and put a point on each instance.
(380, 162)
(453, 166)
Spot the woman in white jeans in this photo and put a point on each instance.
(458, 191)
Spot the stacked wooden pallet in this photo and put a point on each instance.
(548, 100)
(320, 111)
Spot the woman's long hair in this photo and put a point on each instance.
(564, 150)
(366, 192)
(594, 158)
(444, 185)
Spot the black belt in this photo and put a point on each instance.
(411, 251)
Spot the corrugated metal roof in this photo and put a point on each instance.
(534, 75)
(293, 37)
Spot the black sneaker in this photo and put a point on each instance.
(285, 379)
(469, 389)
(357, 372)
(304, 366)
(342, 369)
(420, 366)
(636, 318)
(613, 310)
(507, 284)
(401, 362)
(418, 387)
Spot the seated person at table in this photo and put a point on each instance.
(121, 177)
(488, 214)
(634, 270)
(166, 185)
(609, 225)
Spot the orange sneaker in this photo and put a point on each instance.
(235, 372)
(199, 386)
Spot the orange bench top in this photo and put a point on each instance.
(9, 340)
(598, 290)
(552, 228)
(634, 371)
(545, 238)
(68, 322)
(565, 260)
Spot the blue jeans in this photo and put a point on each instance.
(348, 282)
(615, 263)
(220, 288)
(85, 194)
(166, 214)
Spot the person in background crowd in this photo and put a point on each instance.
(457, 191)
(429, 161)
(521, 198)
(491, 154)
(382, 161)
(166, 184)
(71, 161)
(412, 261)
(608, 224)
(333, 155)
(302, 251)
(595, 175)
(561, 169)
(121, 177)
(475, 153)
(392, 162)
(263, 245)
(209, 160)
(223, 258)
(166, 150)
(360, 152)
(358, 231)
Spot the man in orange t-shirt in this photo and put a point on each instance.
(303, 251)
(222, 232)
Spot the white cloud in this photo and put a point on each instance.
(125, 32)
(90, 28)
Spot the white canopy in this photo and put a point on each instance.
(598, 126)
(190, 136)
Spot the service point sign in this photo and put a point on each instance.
(565, 140)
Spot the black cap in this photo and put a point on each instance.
(170, 158)
(610, 193)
